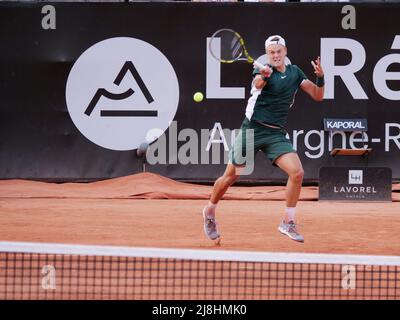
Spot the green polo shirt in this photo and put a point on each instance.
(271, 104)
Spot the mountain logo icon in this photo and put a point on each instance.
(102, 92)
(119, 90)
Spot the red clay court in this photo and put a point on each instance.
(147, 210)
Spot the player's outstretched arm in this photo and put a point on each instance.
(315, 90)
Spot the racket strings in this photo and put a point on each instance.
(231, 46)
(227, 46)
(236, 48)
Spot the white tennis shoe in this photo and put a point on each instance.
(211, 227)
(290, 230)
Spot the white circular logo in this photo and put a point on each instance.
(122, 92)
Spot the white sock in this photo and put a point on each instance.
(290, 213)
(210, 209)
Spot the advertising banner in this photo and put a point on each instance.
(83, 85)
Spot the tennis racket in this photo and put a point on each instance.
(227, 46)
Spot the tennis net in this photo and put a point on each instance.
(58, 271)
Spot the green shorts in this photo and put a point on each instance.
(271, 141)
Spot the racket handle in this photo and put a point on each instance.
(258, 65)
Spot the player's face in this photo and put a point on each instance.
(276, 54)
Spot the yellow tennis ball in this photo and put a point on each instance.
(198, 97)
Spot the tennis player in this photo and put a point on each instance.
(273, 91)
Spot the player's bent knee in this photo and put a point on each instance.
(227, 180)
(298, 176)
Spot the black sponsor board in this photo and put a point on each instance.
(39, 140)
(355, 183)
